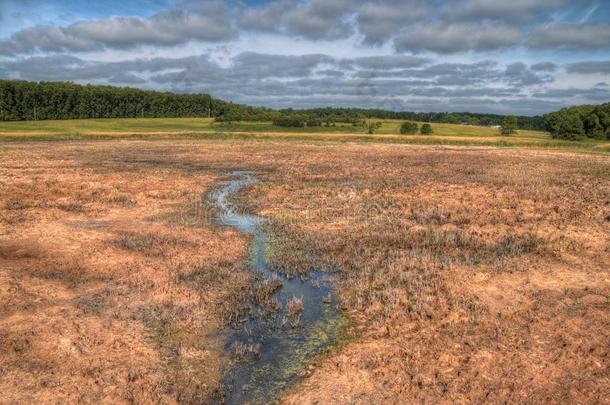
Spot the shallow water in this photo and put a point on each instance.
(284, 350)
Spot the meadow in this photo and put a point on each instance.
(207, 128)
(465, 273)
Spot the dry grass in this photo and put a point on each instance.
(98, 299)
(294, 311)
(470, 275)
(264, 294)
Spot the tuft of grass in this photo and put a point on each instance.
(294, 311)
(516, 245)
(71, 271)
(150, 244)
(264, 291)
(123, 201)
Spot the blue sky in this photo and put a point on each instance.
(519, 56)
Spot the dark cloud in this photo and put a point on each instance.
(319, 19)
(316, 19)
(207, 21)
(387, 62)
(419, 25)
(589, 67)
(379, 21)
(596, 94)
(544, 67)
(567, 36)
(126, 79)
(331, 73)
(519, 74)
(443, 27)
(514, 10)
(264, 18)
(256, 65)
(458, 37)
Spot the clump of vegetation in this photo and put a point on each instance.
(264, 294)
(123, 201)
(509, 125)
(426, 129)
(149, 244)
(408, 128)
(516, 245)
(289, 121)
(294, 311)
(373, 127)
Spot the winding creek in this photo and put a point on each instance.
(282, 351)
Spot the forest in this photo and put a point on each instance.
(23, 100)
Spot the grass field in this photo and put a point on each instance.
(466, 274)
(201, 128)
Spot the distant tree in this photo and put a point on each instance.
(359, 122)
(289, 121)
(509, 125)
(426, 129)
(408, 128)
(373, 126)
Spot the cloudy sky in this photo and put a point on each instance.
(507, 56)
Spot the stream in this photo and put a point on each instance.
(282, 350)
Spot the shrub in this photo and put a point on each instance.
(408, 128)
(372, 127)
(294, 122)
(509, 125)
(426, 129)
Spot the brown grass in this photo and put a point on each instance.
(294, 311)
(469, 275)
(100, 301)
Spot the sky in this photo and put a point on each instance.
(523, 57)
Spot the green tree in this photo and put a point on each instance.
(593, 127)
(426, 129)
(408, 128)
(372, 127)
(565, 124)
(509, 125)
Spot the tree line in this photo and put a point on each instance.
(23, 100)
(584, 121)
(349, 114)
(356, 116)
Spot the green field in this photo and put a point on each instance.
(204, 128)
